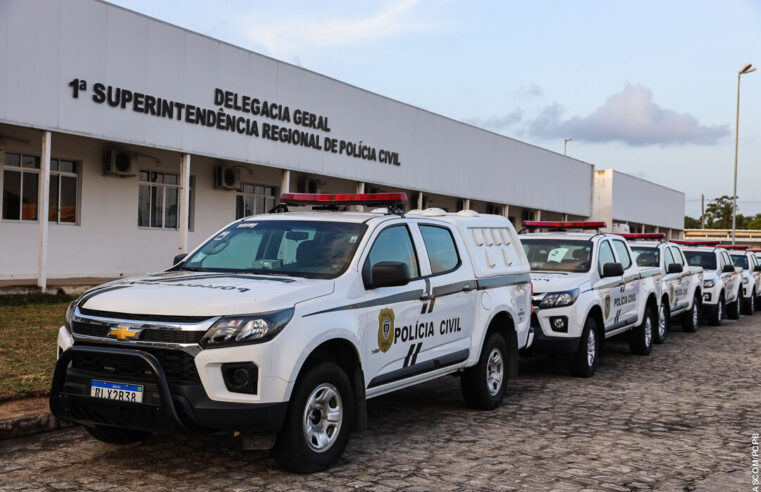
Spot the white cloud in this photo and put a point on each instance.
(530, 91)
(287, 38)
(631, 117)
(498, 122)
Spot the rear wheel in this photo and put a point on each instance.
(483, 385)
(664, 324)
(733, 309)
(319, 420)
(584, 362)
(115, 435)
(691, 318)
(641, 337)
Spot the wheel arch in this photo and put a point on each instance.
(502, 322)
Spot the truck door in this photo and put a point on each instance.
(607, 288)
(682, 290)
(730, 279)
(671, 280)
(451, 304)
(628, 299)
(388, 315)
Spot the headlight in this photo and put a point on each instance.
(238, 330)
(707, 284)
(559, 299)
(69, 316)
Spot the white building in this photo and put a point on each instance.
(125, 140)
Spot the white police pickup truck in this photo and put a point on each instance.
(280, 326)
(751, 289)
(587, 288)
(680, 286)
(722, 280)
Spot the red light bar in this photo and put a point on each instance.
(736, 246)
(533, 224)
(755, 250)
(696, 243)
(343, 198)
(648, 235)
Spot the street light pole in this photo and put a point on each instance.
(746, 69)
(566, 140)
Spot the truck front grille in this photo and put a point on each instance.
(178, 366)
(149, 334)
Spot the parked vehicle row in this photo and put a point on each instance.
(280, 326)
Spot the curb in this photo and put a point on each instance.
(30, 424)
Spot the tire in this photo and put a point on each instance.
(641, 337)
(716, 316)
(310, 441)
(115, 435)
(584, 363)
(691, 319)
(749, 304)
(733, 309)
(483, 385)
(663, 325)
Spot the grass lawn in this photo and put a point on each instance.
(28, 333)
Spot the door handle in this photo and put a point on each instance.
(467, 287)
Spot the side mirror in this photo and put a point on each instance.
(675, 268)
(728, 269)
(179, 258)
(387, 274)
(757, 268)
(612, 270)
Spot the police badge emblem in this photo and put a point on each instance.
(607, 306)
(385, 329)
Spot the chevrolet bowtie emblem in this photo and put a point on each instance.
(123, 333)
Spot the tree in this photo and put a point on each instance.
(719, 213)
(690, 223)
(755, 222)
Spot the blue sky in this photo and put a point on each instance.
(647, 87)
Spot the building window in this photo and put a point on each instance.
(158, 200)
(21, 178)
(62, 207)
(254, 199)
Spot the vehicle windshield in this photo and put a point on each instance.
(312, 249)
(558, 255)
(705, 259)
(646, 257)
(741, 261)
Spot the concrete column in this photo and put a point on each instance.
(565, 217)
(466, 203)
(42, 212)
(657, 229)
(420, 200)
(538, 215)
(360, 188)
(184, 222)
(642, 229)
(285, 181)
(506, 211)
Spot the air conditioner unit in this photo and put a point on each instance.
(304, 185)
(117, 163)
(226, 177)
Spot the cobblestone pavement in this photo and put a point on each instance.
(680, 419)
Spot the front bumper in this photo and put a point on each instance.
(547, 340)
(176, 406)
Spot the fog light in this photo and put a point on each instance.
(707, 296)
(241, 377)
(559, 323)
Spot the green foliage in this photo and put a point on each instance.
(690, 223)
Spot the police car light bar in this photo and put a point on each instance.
(534, 224)
(343, 199)
(644, 235)
(696, 243)
(737, 246)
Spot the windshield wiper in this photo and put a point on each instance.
(190, 269)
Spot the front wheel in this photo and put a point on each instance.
(716, 315)
(115, 435)
(733, 309)
(483, 385)
(749, 304)
(641, 337)
(319, 420)
(663, 326)
(584, 362)
(691, 318)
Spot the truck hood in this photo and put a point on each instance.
(710, 274)
(203, 294)
(556, 281)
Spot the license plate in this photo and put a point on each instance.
(132, 393)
